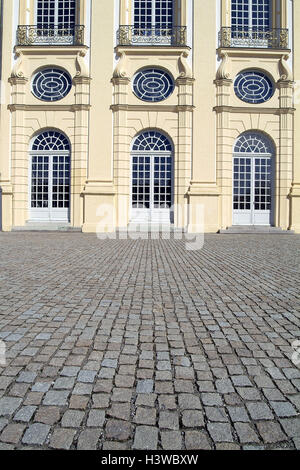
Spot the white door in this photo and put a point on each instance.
(252, 190)
(50, 188)
(151, 188)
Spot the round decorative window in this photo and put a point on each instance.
(153, 85)
(253, 87)
(51, 84)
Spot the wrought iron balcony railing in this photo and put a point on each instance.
(153, 36)
(254, 37)
(52, 35)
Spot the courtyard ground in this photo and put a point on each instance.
(136, 344)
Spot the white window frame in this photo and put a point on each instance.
(153, 13)
(49, 214)
(153, 215)
(250, 17)
(254, 216)
(56, 23)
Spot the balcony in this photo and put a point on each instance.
(51, 36)
(254, 38)
(154, 36)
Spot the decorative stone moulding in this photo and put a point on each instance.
(17, 71)
(284, 69)
(184, 69)
(120, 70)
(223, 72)
(81, 66)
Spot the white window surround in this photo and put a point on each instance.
(59, 13)
(159, 14)
(49, 178)
(253, 180)
(251, 14)
(152, 169)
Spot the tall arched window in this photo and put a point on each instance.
(152, 178)
(50, 177)
(253, 180)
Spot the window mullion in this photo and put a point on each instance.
(153, 14)
(250, 14)
(56, 13)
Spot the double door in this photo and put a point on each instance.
(50, 188)
(151, 188)
(253, 190)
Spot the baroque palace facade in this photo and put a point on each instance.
(120, 112)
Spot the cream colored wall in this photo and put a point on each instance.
(99, 189)
(203, 188)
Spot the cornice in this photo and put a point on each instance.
(252, 52)
(154, 107)
(50, 50)
(253, 110)
(46, 107)
(152, 50)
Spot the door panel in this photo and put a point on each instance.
(151, 188)
(50, 188)
(242, 191)
(40, 187)
(252, 190)
(262, 191)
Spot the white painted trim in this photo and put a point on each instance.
(190, 30)
(291, 25)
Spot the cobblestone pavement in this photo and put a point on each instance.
(144, 345)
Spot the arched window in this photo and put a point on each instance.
(51, 140)
(152, 178)
(253, 180)
(50, 177)
(152, 141)
(253, 142)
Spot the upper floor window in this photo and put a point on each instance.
(153, 23)
(56, 13)
(250, 14)
(55, 24)
(252, 26)
(153, 14)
